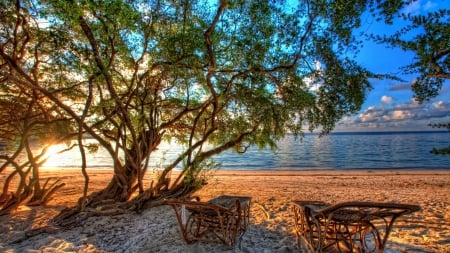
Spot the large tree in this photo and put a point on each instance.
(209, 75)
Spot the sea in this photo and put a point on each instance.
(335, 151)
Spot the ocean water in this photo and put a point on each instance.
(336, 151)
(341, 151)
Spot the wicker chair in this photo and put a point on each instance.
(348, 226)
(225, 218)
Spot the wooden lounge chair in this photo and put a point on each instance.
(225, 218)
(347, 226)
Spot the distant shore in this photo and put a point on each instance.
(271, 224)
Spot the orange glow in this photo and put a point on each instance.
(57, 158)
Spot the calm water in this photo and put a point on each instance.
(339, 151)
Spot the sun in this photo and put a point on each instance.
(55, 156)
(51, 155)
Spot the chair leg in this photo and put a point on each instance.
(314, 234)
(370, 239)
(307, 227)
(300, 224)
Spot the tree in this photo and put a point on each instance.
(209, 76)
(428, 37)
(24, 124)
(441, 151)
(27, 120)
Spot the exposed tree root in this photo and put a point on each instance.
(11, 201)
(74, 216)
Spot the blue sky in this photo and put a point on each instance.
(390, 105)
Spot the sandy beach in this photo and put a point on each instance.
(271, 222)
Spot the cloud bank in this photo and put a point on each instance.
(404, 117)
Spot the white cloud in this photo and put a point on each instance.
(386, 99)
(372, 114)
(411, 115)
(314, 81)
(441, 105)
(429, 5)
(318, 65)
(401, 115)
(412, 8)
(415, 7)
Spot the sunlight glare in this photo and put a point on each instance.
(57, 158)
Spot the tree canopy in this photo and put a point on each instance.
(207, 75)
(428, 37)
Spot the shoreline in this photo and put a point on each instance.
(278, 171)
(337, 171)
(271, 223)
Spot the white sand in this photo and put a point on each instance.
(271, 228)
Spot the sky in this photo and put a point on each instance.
(390, 106)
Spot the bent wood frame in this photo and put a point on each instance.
(348, 226)
(225, 218)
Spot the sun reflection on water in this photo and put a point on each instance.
(56, 157)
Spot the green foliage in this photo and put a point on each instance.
(428, 37)
(210, 76)
(441, 151)
(440, 125)
(198, 174)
